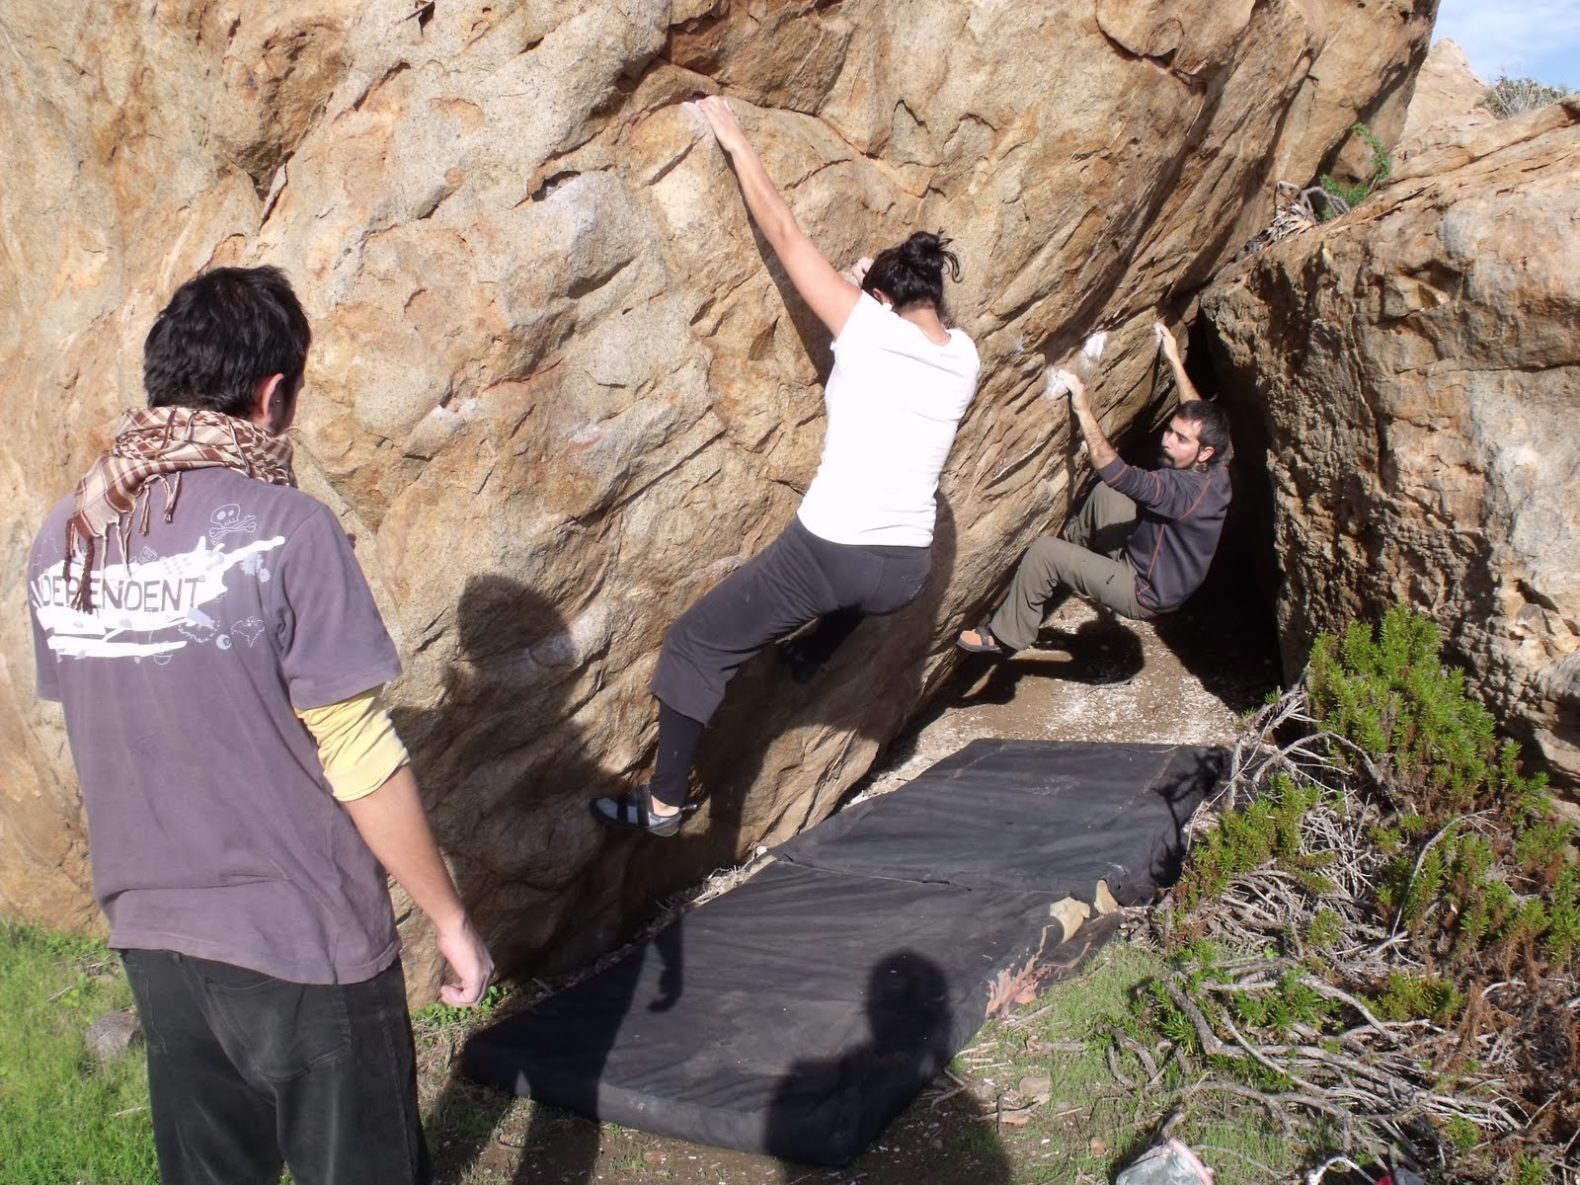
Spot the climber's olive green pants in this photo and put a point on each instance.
(1090, 561)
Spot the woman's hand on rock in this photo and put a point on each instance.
(727, 129)
(857, 272)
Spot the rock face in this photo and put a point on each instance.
(555, 392)
(1445, 88)
(1416, 370)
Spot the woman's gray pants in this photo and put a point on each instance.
(795, 579)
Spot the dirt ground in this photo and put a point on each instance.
(1188, 679)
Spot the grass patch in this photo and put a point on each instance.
(1093, 1123)
(67, 1119)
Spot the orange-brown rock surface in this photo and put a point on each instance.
(555, 392)
(1445, 88)
(1416, 369)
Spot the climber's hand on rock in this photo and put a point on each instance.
(1062, 382)
(857, 272)
(1166, 339)
(727, 129)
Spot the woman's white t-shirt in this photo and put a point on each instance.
(894, 400)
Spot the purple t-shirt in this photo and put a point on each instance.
(211, 828)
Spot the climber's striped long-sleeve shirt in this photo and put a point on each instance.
(1181, 516)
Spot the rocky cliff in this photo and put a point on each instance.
(555, 391)
(1445, 88)
(1416, 370)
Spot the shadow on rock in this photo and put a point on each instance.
(501, 746)
(1225, 634)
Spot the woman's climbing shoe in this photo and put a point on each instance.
(634, 812)
(980, 640)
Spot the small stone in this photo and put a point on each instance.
(1037, 1087)
(110, 1036)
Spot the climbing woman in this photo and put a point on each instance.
(859, 544)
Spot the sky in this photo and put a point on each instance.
(1537, 39)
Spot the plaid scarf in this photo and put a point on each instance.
(161, 443)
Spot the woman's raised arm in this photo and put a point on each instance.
(830, 295)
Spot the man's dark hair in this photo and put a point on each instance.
(1213, 426)
(221, 333)
(913, 272)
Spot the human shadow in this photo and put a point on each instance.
(1098, 652)
(826, 1111)
(500, 744)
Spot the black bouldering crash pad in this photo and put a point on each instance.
(799, 1013)
(1040, 816)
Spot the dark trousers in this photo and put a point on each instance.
(796, 579)
(247, 1073)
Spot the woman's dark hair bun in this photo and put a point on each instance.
(912, 273)
(927, 250)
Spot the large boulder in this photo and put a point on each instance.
(1415, 369)
(1445, 88)
(556, 393)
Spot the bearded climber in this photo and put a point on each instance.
(1143, 539)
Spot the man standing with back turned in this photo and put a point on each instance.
(1143, 539)
(219, 658)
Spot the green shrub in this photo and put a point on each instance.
(1509, 97)
(1461, 1133)
(1280, 1010)
(1388, 692)
(1506, 888)
(1353, 195)
(1562, 939)
(1266, 831)
(1325, 930)
(1415, 997)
